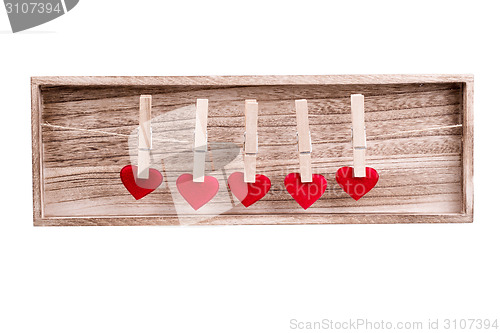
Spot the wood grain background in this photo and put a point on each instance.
(421, 169)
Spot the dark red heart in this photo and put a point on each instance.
(139, 188)
(305, 193)
(248, 193)
(356, 187)
(197, 194)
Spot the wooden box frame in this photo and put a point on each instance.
(38, 84)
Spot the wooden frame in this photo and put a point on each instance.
(50, 85)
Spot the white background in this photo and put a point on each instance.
(246, 278)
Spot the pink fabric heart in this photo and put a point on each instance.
(354, 186)
(197, 194)
(248, 193)
(139, 188)
(305, 193)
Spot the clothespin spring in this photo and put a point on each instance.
(200, 149)
(310, 144)
(245, 143)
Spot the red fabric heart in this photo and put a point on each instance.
(197, 194)
(356, 187)
(138, 187)
(305, 193)
(248, 193)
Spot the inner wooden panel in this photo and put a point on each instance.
(90, 133)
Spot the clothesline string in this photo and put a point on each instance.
(103, 132)
(173, 140)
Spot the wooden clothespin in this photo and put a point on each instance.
(251, 140)
(358, 134)
(200, 140)
(304, 139)
(145, 136)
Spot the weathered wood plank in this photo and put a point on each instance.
(249, 80)
(415, 184)
(282, 219)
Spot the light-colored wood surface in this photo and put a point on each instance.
(200, 140)
(145, 136)
(250, 144)
(304, 140)
(251, 113)
(358, 134)
(242, 80)
(468, 148)
(424, 159)
(36, 150)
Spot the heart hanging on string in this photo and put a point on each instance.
(305, 193)
(356, 187)
(138, 187)
(248, 193)
(197, 194)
